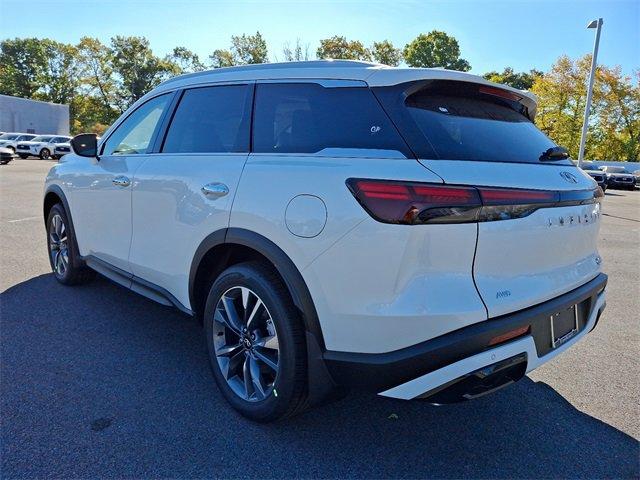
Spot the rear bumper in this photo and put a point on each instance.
(415, 371)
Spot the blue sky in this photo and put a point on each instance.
(492, 34)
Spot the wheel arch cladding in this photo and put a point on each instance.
(204, 266)
(220, 250)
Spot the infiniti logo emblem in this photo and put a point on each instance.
(569, 177)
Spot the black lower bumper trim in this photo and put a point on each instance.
(480, 382)
(381, 371)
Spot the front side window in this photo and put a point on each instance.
(210, 120)
(25, 138)
(134, 134)
(41, 138)
(311, 118)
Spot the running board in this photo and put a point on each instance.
(136, 284)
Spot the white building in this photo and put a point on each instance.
(33, 116)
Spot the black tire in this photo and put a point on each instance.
(45, 154)
(75, 272)
(23, 157)
(287, 393)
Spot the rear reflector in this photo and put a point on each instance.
(505, 337)
(414, 203)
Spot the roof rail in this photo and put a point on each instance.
(277, 66)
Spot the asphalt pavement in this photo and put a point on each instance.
(96, 381)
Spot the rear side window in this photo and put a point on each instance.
(456, 121)
(311, 118)
(210, 119)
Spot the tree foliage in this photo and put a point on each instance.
(614, 123)
(221, 58)
(339, 47)
(384, 52)
(519, 80)
(185, 60)
(435, 49)
(137, 70)
(99, 81)
(249, 49)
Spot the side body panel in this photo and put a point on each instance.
(172, 215)
(102, 209)
(376, 287)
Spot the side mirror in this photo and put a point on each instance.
(85, 145)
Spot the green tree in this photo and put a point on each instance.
(519, 80)
(338, 47)
(614, 123)
(97, 76)
(137, 70)
(435, 49)
(248, 49)
(185, 60)
(616, 132)
(222, 58)
(384, 52)
(561, 100)
(61, 77)
(23, 66)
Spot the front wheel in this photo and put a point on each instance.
(45, 154)
(63, 251)
(256, 343)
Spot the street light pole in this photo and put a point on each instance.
(597, 24)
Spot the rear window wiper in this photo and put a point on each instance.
(553, 154)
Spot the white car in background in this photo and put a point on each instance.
(61, 150)
(10, 140)
(41, 146)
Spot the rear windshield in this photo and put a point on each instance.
(455, 121)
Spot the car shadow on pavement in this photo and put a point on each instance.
(96, 381)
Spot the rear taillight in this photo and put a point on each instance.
(413, 203)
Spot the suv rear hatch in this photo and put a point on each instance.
(539, 219)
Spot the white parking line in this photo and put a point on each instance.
(22, 219)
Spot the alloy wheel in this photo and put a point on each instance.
(58, 246)
(246, 344)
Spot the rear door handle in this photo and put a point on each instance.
(121, 181)
(215, 190)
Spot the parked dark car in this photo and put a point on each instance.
(6, 155)
(599, 176)
(618, 177)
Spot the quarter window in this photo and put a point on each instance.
(134, 134)
(211, 120)
(311, 118)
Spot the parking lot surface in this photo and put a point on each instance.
(96, 381)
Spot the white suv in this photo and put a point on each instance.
(41, 146)
(10, 140)
(339, 224)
